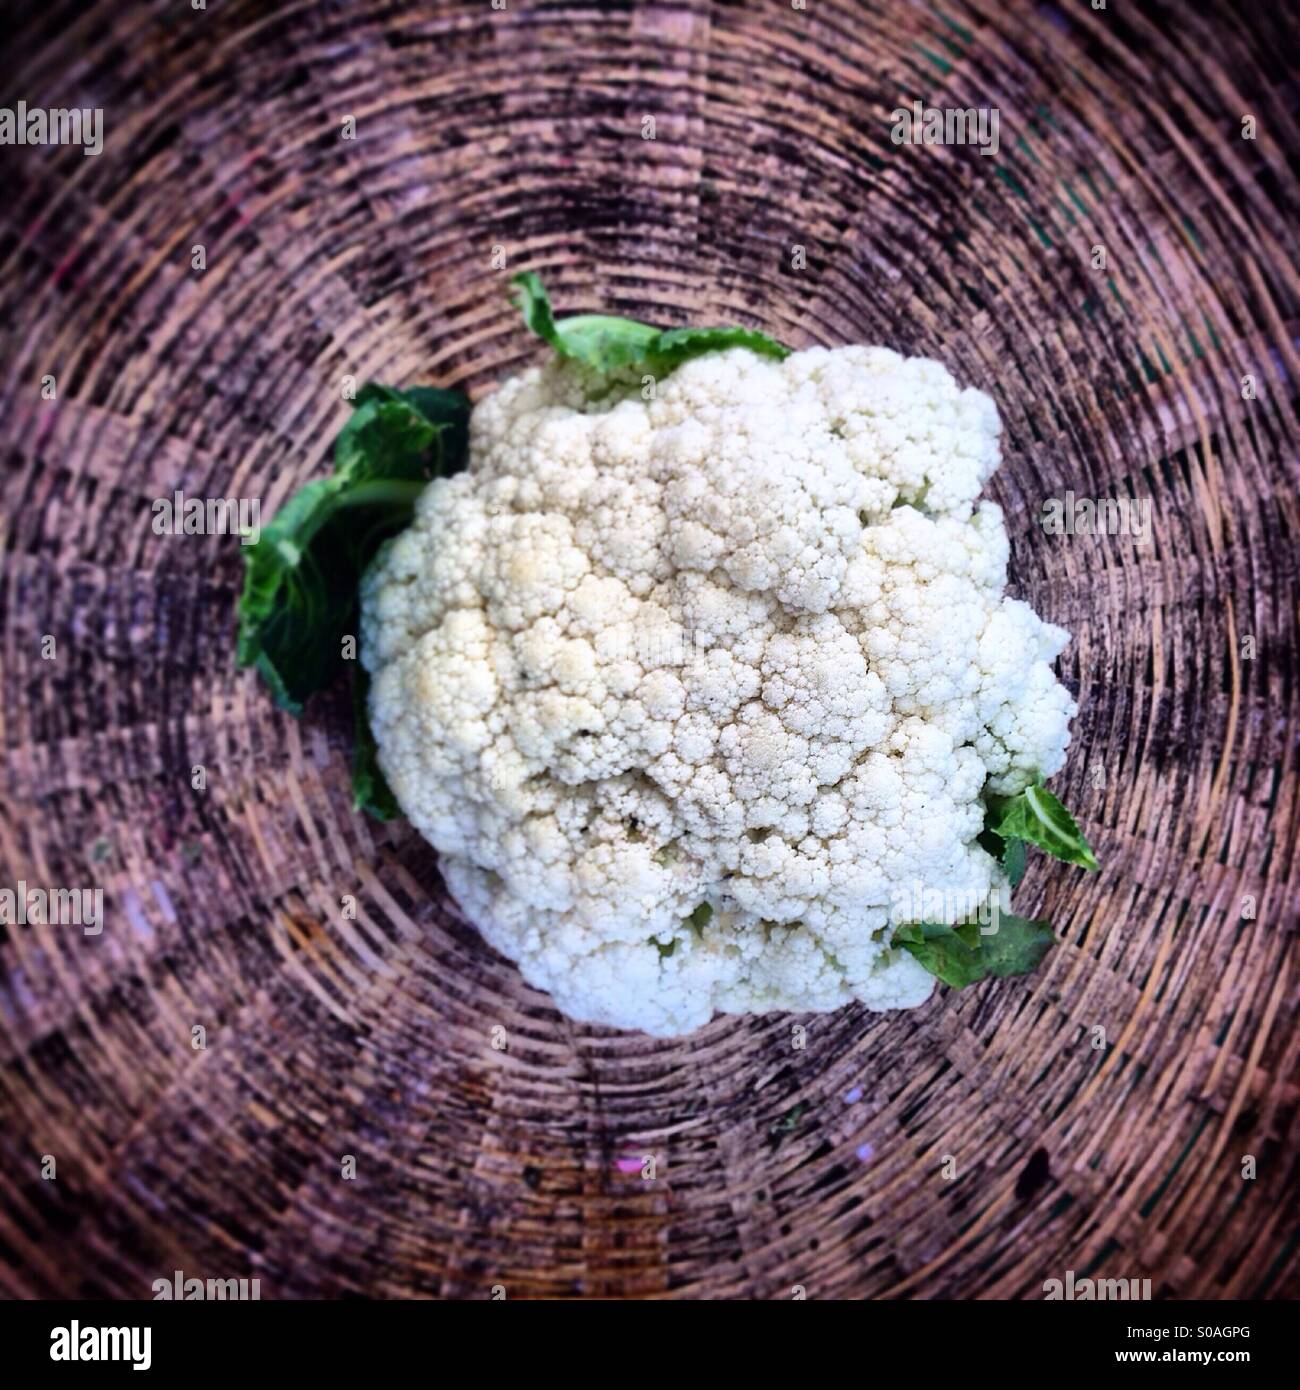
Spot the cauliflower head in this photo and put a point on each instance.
(689, 692)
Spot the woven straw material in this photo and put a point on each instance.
(1097, 1116)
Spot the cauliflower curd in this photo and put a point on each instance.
(744, 644)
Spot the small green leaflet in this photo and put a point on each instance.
(300, 580)
(607, 343)
(961, 956)
(1037, 816)
(1013, 861)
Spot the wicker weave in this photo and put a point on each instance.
(775, 1166)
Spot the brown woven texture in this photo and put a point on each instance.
(823, 1167)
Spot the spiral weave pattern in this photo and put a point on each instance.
(1129, 1111)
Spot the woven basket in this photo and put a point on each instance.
(1127, 1112)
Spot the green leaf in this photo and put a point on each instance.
(963, 955)
(535, 305)
(677, 345)
(1037, 816)
(300, 580)
(606, 343)
(993, 844)
(449, 411)
(1017, 947)
(1013, 861)
(942, 952)
(968, 932)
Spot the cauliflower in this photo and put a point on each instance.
(689, 691)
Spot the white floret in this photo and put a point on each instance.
(742, 644)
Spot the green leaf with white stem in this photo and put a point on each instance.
(1038, 817)
(606, 343)
(299, 600)
(677, 345)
